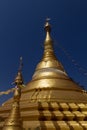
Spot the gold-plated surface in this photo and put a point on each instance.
(50, 101)
(64, 115)
(50, 80)
(14, 122)
(49, 59)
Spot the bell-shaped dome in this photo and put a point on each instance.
(50, 81)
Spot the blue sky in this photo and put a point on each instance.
(22, 34)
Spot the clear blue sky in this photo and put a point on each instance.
(22, 34)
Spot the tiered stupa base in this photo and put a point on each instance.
(50, 115)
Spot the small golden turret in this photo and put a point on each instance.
(19, 78)
(14, 122)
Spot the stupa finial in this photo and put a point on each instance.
(48, 43)
(21, 64)
(19, 78)
(47, 25)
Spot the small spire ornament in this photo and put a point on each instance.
(14, 122)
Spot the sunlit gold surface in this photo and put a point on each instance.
(19, 78)
(14, 121)
(52, 115)
(50, 75)
(51, 100)
(49, 59)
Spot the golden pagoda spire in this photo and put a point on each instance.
(50, 79)
(14, 121)
(48, 44)
(19, 78)
(49, 67)
(49, 60)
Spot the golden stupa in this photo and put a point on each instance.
(51, 100)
